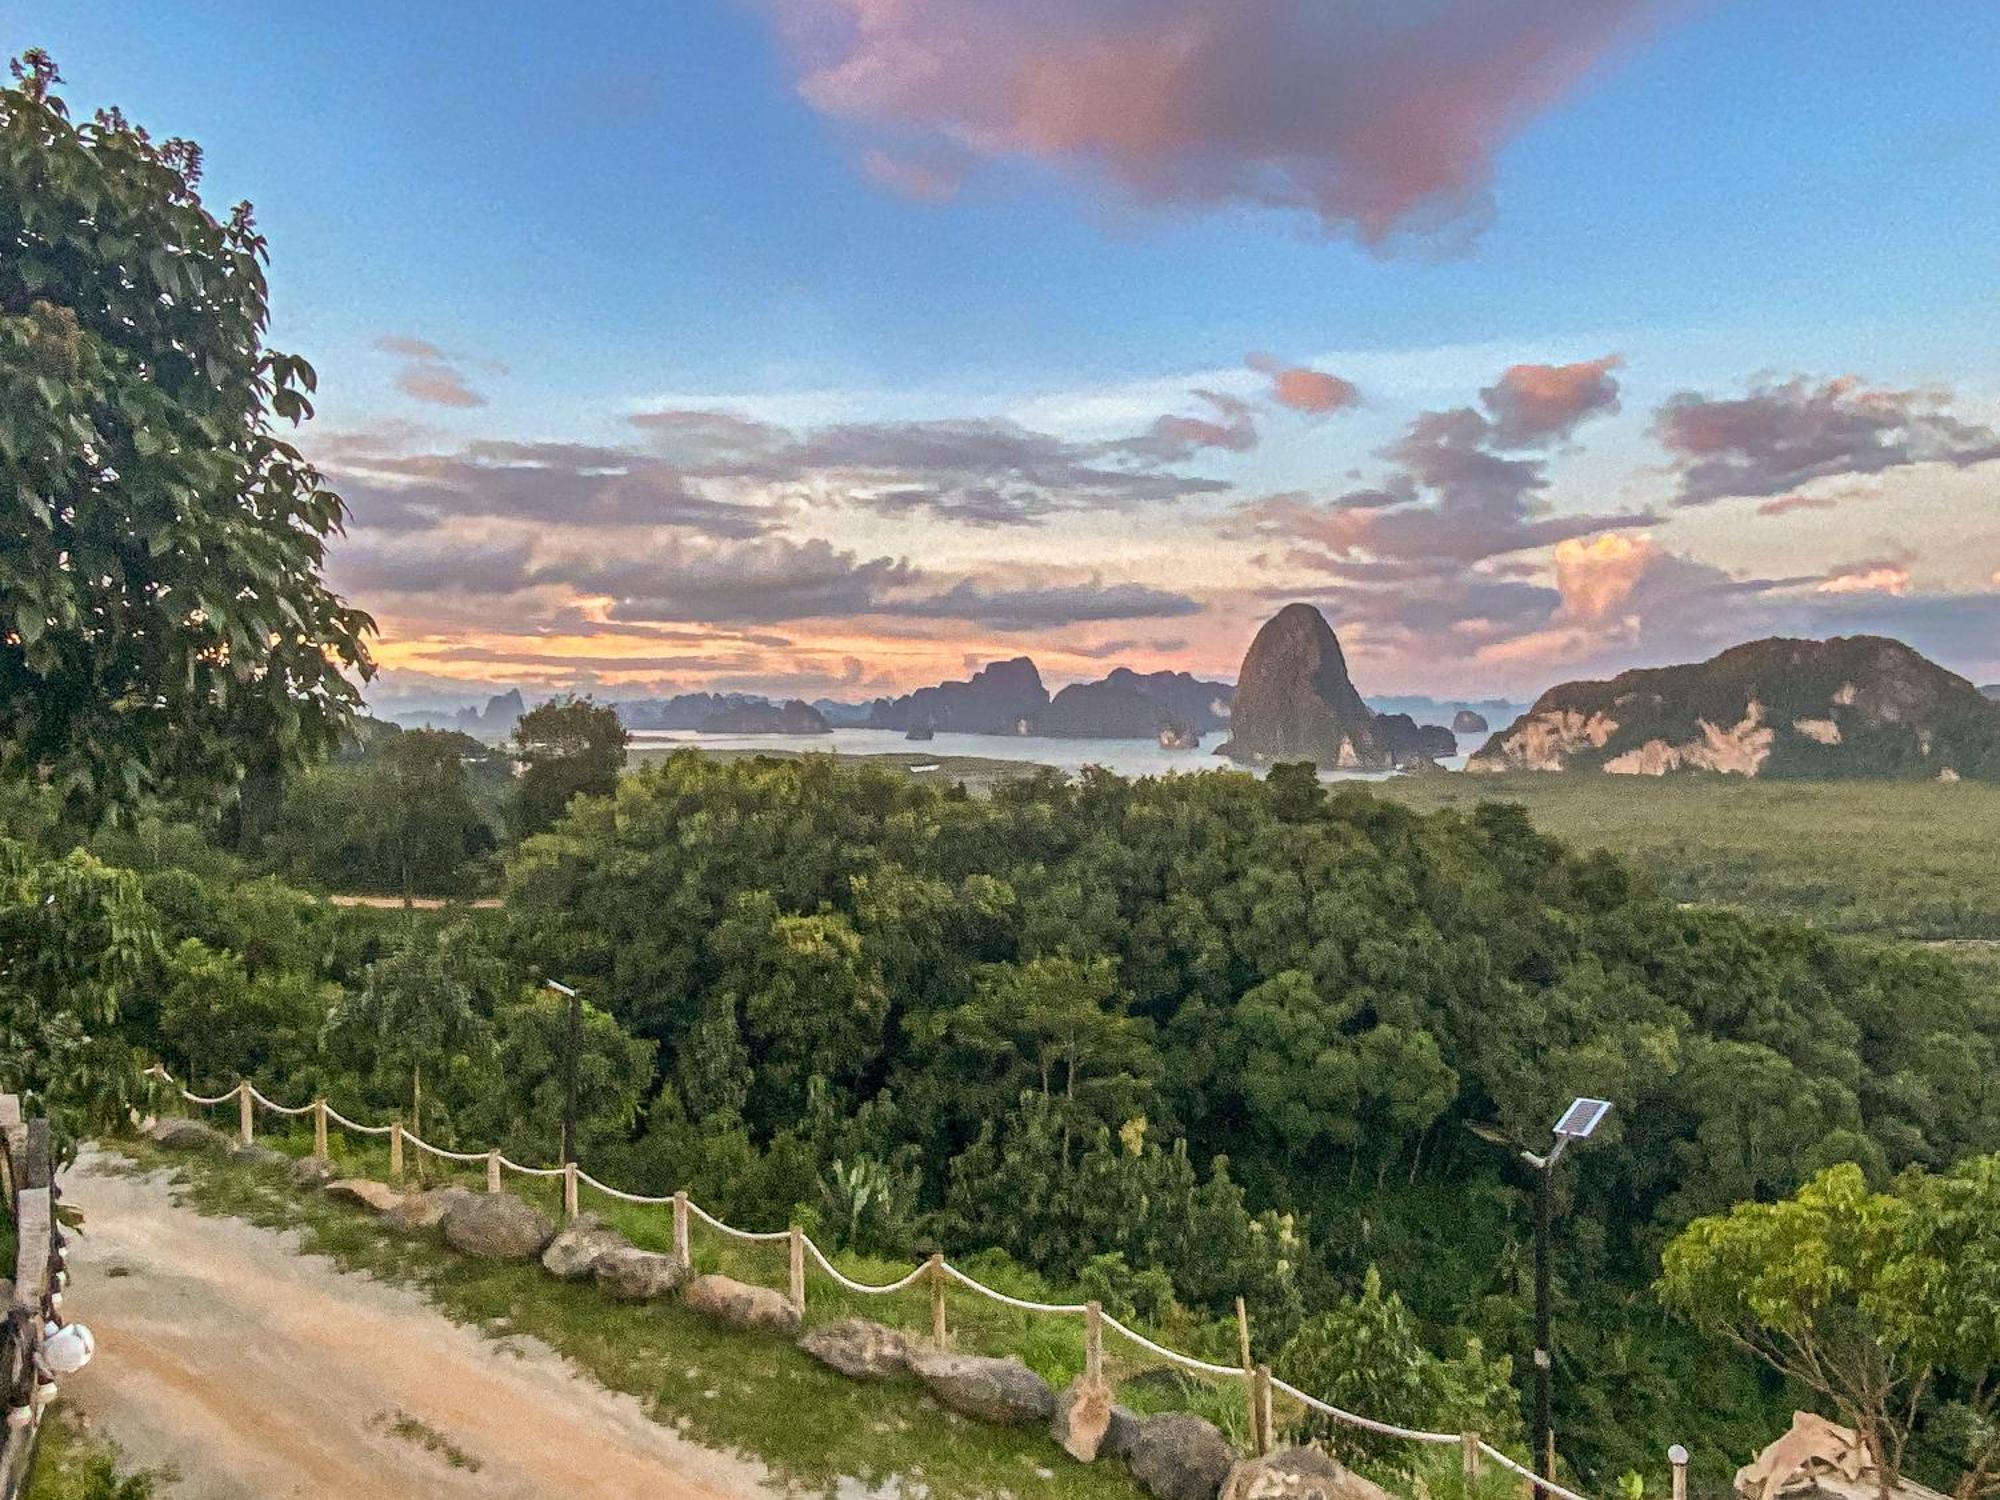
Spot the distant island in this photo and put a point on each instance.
(790, 717)
(1295, 702)
(1851, 706)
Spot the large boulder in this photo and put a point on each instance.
(312, 1172)
(859, 1348)
(188, 1135)
(1298, 1474)
(993, 1390)
(1083, 1418)
(1179, 1456)
(415, 1213)
(370, 1194)
(575, 1250)
(634, 1275)
(497, 1226)
(736, 1304)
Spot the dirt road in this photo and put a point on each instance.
(254, 1371)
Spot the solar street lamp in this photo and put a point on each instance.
(574, 1046)
(1578, 1123)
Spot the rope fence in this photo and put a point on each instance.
(1260, 1384)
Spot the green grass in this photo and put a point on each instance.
(738, 1392)
(74, 1463)
(1887, 858)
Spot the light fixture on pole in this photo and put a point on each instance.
(1578, 1123)
(573, 1045)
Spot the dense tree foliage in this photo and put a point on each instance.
(565, 747)
(163, 625)
(1866, 1298)
(411, 814)
(1044, 1017)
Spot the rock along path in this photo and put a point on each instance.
(252, 1370)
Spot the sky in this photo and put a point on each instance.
(833, 347)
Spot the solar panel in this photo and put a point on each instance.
(1582, 1117)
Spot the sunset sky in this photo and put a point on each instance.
(832, 346)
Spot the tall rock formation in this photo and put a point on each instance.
(1294, 700)
(1851, 706)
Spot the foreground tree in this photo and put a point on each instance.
(1812, 1286)
(567, 747)
(163, 623)
(77, 941)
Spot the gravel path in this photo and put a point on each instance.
(251, 1370)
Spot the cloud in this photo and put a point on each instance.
(927, 182)
(1877, 575)
(1781, 436)
(732, 583)
(1302, 389)
(1376, 120)
(571, 484)
(1176, 438)
(1786, 504)
(428, 373)
(1534, 404)
(1016, 609)
(986, 472)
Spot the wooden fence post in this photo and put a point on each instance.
(1677, 1456)
(1264, 1434)
(319, 1128)
(1249, 1371)
(569, 1191)
(493, 1170)
(1468, 1460)
(799, 1269)
(681, 1229)
(246, 1119)
(937, 1298)
(396, 1149)
(1093, 1344)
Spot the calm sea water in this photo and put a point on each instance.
(1127, 757)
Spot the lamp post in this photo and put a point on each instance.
(1577, 1123)
(575, 1045)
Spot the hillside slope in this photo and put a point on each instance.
(1850, 706)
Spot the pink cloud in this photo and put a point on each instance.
(1303, 389)
(1875, 575)
(1786, 504)
(1376, 122)
(1533, 403)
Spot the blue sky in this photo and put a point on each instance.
(636, 208)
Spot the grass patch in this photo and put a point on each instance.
(737, 1392)
(74, 1463)
(401, 1424)
(1888, 858)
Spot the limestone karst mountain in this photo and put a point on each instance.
(1850, 706)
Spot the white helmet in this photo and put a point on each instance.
(67, 1350)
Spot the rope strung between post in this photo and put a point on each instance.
(1366, 1424)
(356, 1125)
(513, 1166)
(1527, 1473)
(1073, 1309)
(440, 1152)
(1174, 1356)
(619, 1193)
(276, 1108)
(765, 1237)
(749, 1236)
(862, 1287)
